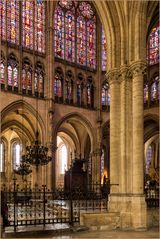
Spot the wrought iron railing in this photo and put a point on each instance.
(42, 206)
(152, 196)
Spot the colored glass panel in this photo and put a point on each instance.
(59, 33)
(39, 80)
(153, 91)
(40, 83)
(2, 72)
(148, 158)
(78, 93)
(3, 19)
(15, 77)
(81, 41)
(36, 82)
(29, 80)
(40, 26)
(66, 4)
(145, 93)
(57, 86)
(9, 75)
(13, 21)
(104, 51)
(86, 9)
(27, 21)
(69, 90)
(154, 45)
(91, 44)
(70, 37)
(105, 95)
(24, 83)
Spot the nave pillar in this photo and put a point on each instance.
(138, 199)
(113, 79)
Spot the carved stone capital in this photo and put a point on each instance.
(138, 68)
(125, 73)
(113, 76)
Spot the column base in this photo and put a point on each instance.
(132, 209)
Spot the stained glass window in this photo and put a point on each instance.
(27, 21)
(91, 44)
(148, 158)
(90, 93)
(104, 51)
(3, 19)
(39, 80)
(13, 21)
(17, 151)
(59, 32)
(70, 37)
(26, 76)
(58, 85)
(153, 45)
(81, 41)
(2, 157)
(12, 72)
(105, 95)
(40, 26)
(80, 90)
(145, 93)
(153, 91)
(69, 87)
(2, 71)
(71, 17)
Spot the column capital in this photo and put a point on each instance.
(125, 73)
(138, 68)
(112, 76)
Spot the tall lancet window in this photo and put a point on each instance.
(13, 21)
(75, 32)
(153, 45)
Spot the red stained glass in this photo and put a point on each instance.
(27, 21)
(91, 44)
(13, 21)
(3, 19)
(104, 51)
(81, 41)
(59, 33)
(153, 46)
(40, 26)
(75, 32)
(70, 37)
(2, 72)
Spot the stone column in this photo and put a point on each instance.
(49, 97)
(138, 199)
(113, 79)
(137, 69)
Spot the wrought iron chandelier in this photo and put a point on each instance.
(36, 154)
(23, 169)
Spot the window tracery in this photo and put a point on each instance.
(75, 32)
(58, 85)
(26, 76)
(90, 93)
(69, 87)
(2, 70)
(105, 95)
(12, 72)
(39, 80)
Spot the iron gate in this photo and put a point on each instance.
(42, 206)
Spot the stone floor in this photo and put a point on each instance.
(78, 234)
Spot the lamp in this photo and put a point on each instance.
(23, 169)
(37, 154)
